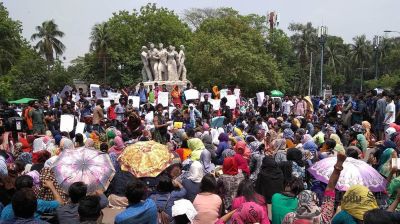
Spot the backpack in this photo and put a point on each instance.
(162, 216)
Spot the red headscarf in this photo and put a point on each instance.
(230, 166)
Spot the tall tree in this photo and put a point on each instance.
(48, 33)
(100, 38)
(10, 40)
(361, 51)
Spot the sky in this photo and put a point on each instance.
(345, 18)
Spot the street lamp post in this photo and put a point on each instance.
(322, 35)
(377, 42)
(391, 31)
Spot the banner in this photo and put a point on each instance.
(202, 96)
(135, 100)
(96, 88)
(163, 98)
(231, 103)
(67, 123)
(191, 94)
(260, 98)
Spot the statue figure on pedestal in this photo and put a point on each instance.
(162, 64)
(172, 64)
(153, 52)
(146, 71)
(181, 60)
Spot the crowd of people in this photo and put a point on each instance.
(243, 165)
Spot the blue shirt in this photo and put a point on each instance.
(42, 207)
(142, 93)
(143, 212)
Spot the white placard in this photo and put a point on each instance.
(231, 101)
(191, 94)
(135, 100)
(80, 128)
(149, 117)
(67, 122)
(237, 93)
(163, 98)
(223, 93)
(65, 89)
(106, 102)
(96, 88)
(215, 103)
(170, 110)
(260, 98)
(202, 96)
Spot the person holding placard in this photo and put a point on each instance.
(160, 125)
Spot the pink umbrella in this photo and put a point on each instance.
(354, 172)
(92, 167)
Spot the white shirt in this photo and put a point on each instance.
(286, 106)
(390, 111)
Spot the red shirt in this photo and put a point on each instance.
(111, 112)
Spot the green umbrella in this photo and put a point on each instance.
(276, 93)
(22, 101)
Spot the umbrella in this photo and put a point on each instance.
(145, 159)
(354, 172)
(276, 93)
(92, 167)
(22, 101)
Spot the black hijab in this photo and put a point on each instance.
(270, 179)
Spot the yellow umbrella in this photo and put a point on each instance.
(145, 159)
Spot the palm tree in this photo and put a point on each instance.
(304, 41)
(48, 33)
(334, 49)
(100, 41)
(361, 51)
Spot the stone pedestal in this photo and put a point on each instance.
(169, 84)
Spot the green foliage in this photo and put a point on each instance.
(229, 51)
(386, 81)
(10, 40)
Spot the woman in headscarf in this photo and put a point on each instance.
(197, 147)
(193, 180)
(288, 134)
(248, 212)
(356, 201)
(176, 95)
(240, 149)
(385, 161)
(308, 211)
(223, 145)
(279, 153)
(339, 145)
(368, 135)
(216, 92)
(270, 175)
(229, 181)
(296, 157)
(205, 160)
(118, 146)
(89, 144)
(256, 159)
(184, 151)
(207, 140)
